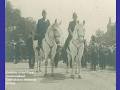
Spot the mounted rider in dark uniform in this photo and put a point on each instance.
(71, 27)
(42, 27)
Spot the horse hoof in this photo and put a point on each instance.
(72, 76)
(79, 76)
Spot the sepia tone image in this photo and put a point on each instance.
(60, 45)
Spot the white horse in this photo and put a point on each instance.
(75, 49)
(49, 45)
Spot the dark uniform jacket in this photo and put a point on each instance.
(29, 45)
(94, 53)
(42, 27)
(71, 27)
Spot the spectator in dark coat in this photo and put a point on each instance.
(12, 50)
(114, 57)
(71, 27)
(93, 53)
(30, 51)
(103, 54)
(85, 55)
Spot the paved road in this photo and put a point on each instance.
(91, 80)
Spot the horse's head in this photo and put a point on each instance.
(56, 25)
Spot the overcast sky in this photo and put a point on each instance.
(94, 12)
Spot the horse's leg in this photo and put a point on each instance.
(40, 59)
(79, 66)
(53, 52)
(37, 66)
(68, 63)
(46, 51)
(36, 60)
(40, 64)
(73, 54)
(76, 64)
(52, 67)
(73, 65)
(38, 55)
(80, 54)
(46, 63)
(73, 51)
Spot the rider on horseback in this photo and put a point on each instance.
(71, 27)
(42, 27)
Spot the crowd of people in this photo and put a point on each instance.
(16, 51)
(98, 55)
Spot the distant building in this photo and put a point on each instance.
(110, 35)
(110, 26)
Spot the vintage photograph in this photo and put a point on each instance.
(60, 45)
